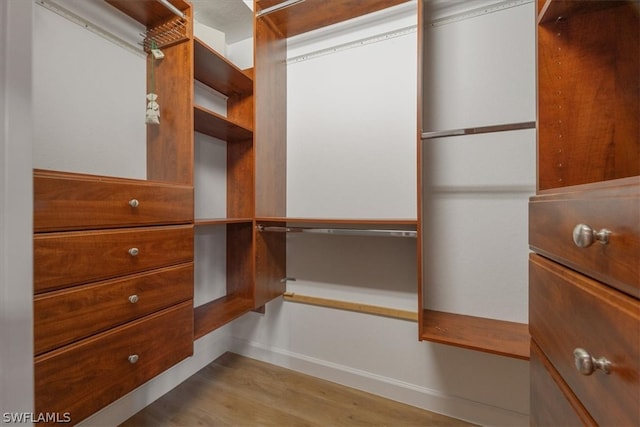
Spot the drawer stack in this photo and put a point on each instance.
(113, 287)
(584, 310)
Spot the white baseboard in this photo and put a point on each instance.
(411, 394)
(206, 350)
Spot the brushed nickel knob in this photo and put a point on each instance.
(133, 359)
(134, 203)
(133, 299)
(584, 236)
(587, 364)
(134, 251)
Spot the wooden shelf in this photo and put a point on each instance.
(561, 9)
(215, 71)
(362, 223)
(212, 315)
(213, 124)
(500, 337)
(313, 14)
(147, 12)
(221, 221)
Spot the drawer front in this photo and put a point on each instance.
(617, 263)
(80, 202)
(83, 378)
(552, 403)
(569, 311)
(71, 258)
(61, 317)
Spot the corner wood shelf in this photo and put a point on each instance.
(221, 221)
(215, 71)
(553, 10)
(360, 223)
(213, 124)
(147, 12)
(310, 15)
(212, 315)
(510, 339)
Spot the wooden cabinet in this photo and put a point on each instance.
(85, 376)
(584, 221)
(113, 257)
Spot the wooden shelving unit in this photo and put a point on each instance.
(215, 71)
(505, 338)
(584, 295)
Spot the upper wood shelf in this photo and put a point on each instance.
(210, 123)
(309, 15)
(360, 223)
(148, 12)
(552, 10)
(499, 337)
(212, 315)
(215, 71)
(221, 221)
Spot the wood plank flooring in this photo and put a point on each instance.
(238, 391)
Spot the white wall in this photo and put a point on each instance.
(16, 207)
(479, 71)
(89, 94)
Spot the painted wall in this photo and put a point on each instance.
(16, 207)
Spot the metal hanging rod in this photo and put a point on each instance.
(172, 8)
(277, 7)
(339, 231)
(480, 129)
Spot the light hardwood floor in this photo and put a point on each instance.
(238, 391)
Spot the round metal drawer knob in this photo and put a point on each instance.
(587, 364)
(133, 359)
(133, 299)
(134, 251)
(134, 203)
(584, 236)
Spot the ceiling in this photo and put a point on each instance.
(232, 17)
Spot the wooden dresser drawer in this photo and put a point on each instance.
(65, 201)
(568, 311)
(72, 258)
(64, 316)
(552, 402)
(552, 220)
(84, 377)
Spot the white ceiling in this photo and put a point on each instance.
(232, 17)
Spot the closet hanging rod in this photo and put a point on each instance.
(338, 231)
(172, 8)
(478, 130)
(277, 7)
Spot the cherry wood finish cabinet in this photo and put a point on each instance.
(584, 222)
(113, 257)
